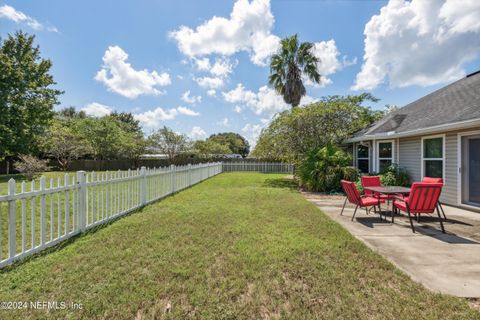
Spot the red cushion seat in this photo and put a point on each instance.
(370, 201)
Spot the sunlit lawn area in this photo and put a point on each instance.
(237, 246)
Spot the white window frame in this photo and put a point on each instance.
(423, 159)
(377, 169)
(459, 165)
(367, 158)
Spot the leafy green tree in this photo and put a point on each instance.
(26, 95)
(108, 138)
(289, 65)
(64, 144)
(103, 136)
(233, 141)
(293, 133)
(208, 148)
(70, 113)
(168, 142)
(127, 121)
(133, 142)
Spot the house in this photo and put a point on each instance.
(436, 136)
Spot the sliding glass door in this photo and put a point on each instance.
(471, 170)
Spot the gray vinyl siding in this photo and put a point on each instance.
(410, 156)
(450, 191)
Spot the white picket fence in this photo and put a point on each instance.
(36, 217)
(257, 166)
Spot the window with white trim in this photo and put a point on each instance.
(363, 160)
(432, 157)
(385, 155)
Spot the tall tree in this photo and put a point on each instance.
(168, 142)
(127, 121)
(103, 136)
(209, 148)
(64, 144)
(26, 95)
(68, 113)
(294, 133)
(235, 142)
(289, 65)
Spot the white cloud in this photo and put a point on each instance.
(96, 109)
(190, 99)
(202, 64)
(419, 43)
(187, 112)
(237, 109)
(212, 92)
(222, 67)
(327, 53)
(265, 101)
(210, 82)
(247, 29)
(153, 119)
(219, 72)
(225, 122)
(198, 133)
(16, 16)
(252, 132)
(120, 77)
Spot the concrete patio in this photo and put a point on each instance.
(447, 263)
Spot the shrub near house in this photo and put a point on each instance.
(323, 169)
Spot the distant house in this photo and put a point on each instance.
(437, 136)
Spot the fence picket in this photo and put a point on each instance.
(24, 219)
(11, 219)
(67, 205)
(51, 209)
(43, 206)
(32, 189)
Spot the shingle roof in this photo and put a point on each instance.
(459, 101)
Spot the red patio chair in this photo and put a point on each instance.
(436, 180)
(363, 201)
(423, 198)
(373, 181)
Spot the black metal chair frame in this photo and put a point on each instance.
(358, 205)
(423, 206)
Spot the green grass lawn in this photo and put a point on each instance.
(237, 246)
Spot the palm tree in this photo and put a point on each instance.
(287, 67)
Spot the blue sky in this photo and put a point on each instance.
(201, 67)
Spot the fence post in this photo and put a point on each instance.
(189, 174)
(11, 219)
(173, 177)
(82, 201)
(143, 185)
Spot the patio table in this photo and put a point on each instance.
(389, 191)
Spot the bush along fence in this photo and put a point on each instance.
(257, 166)
(35, 216)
